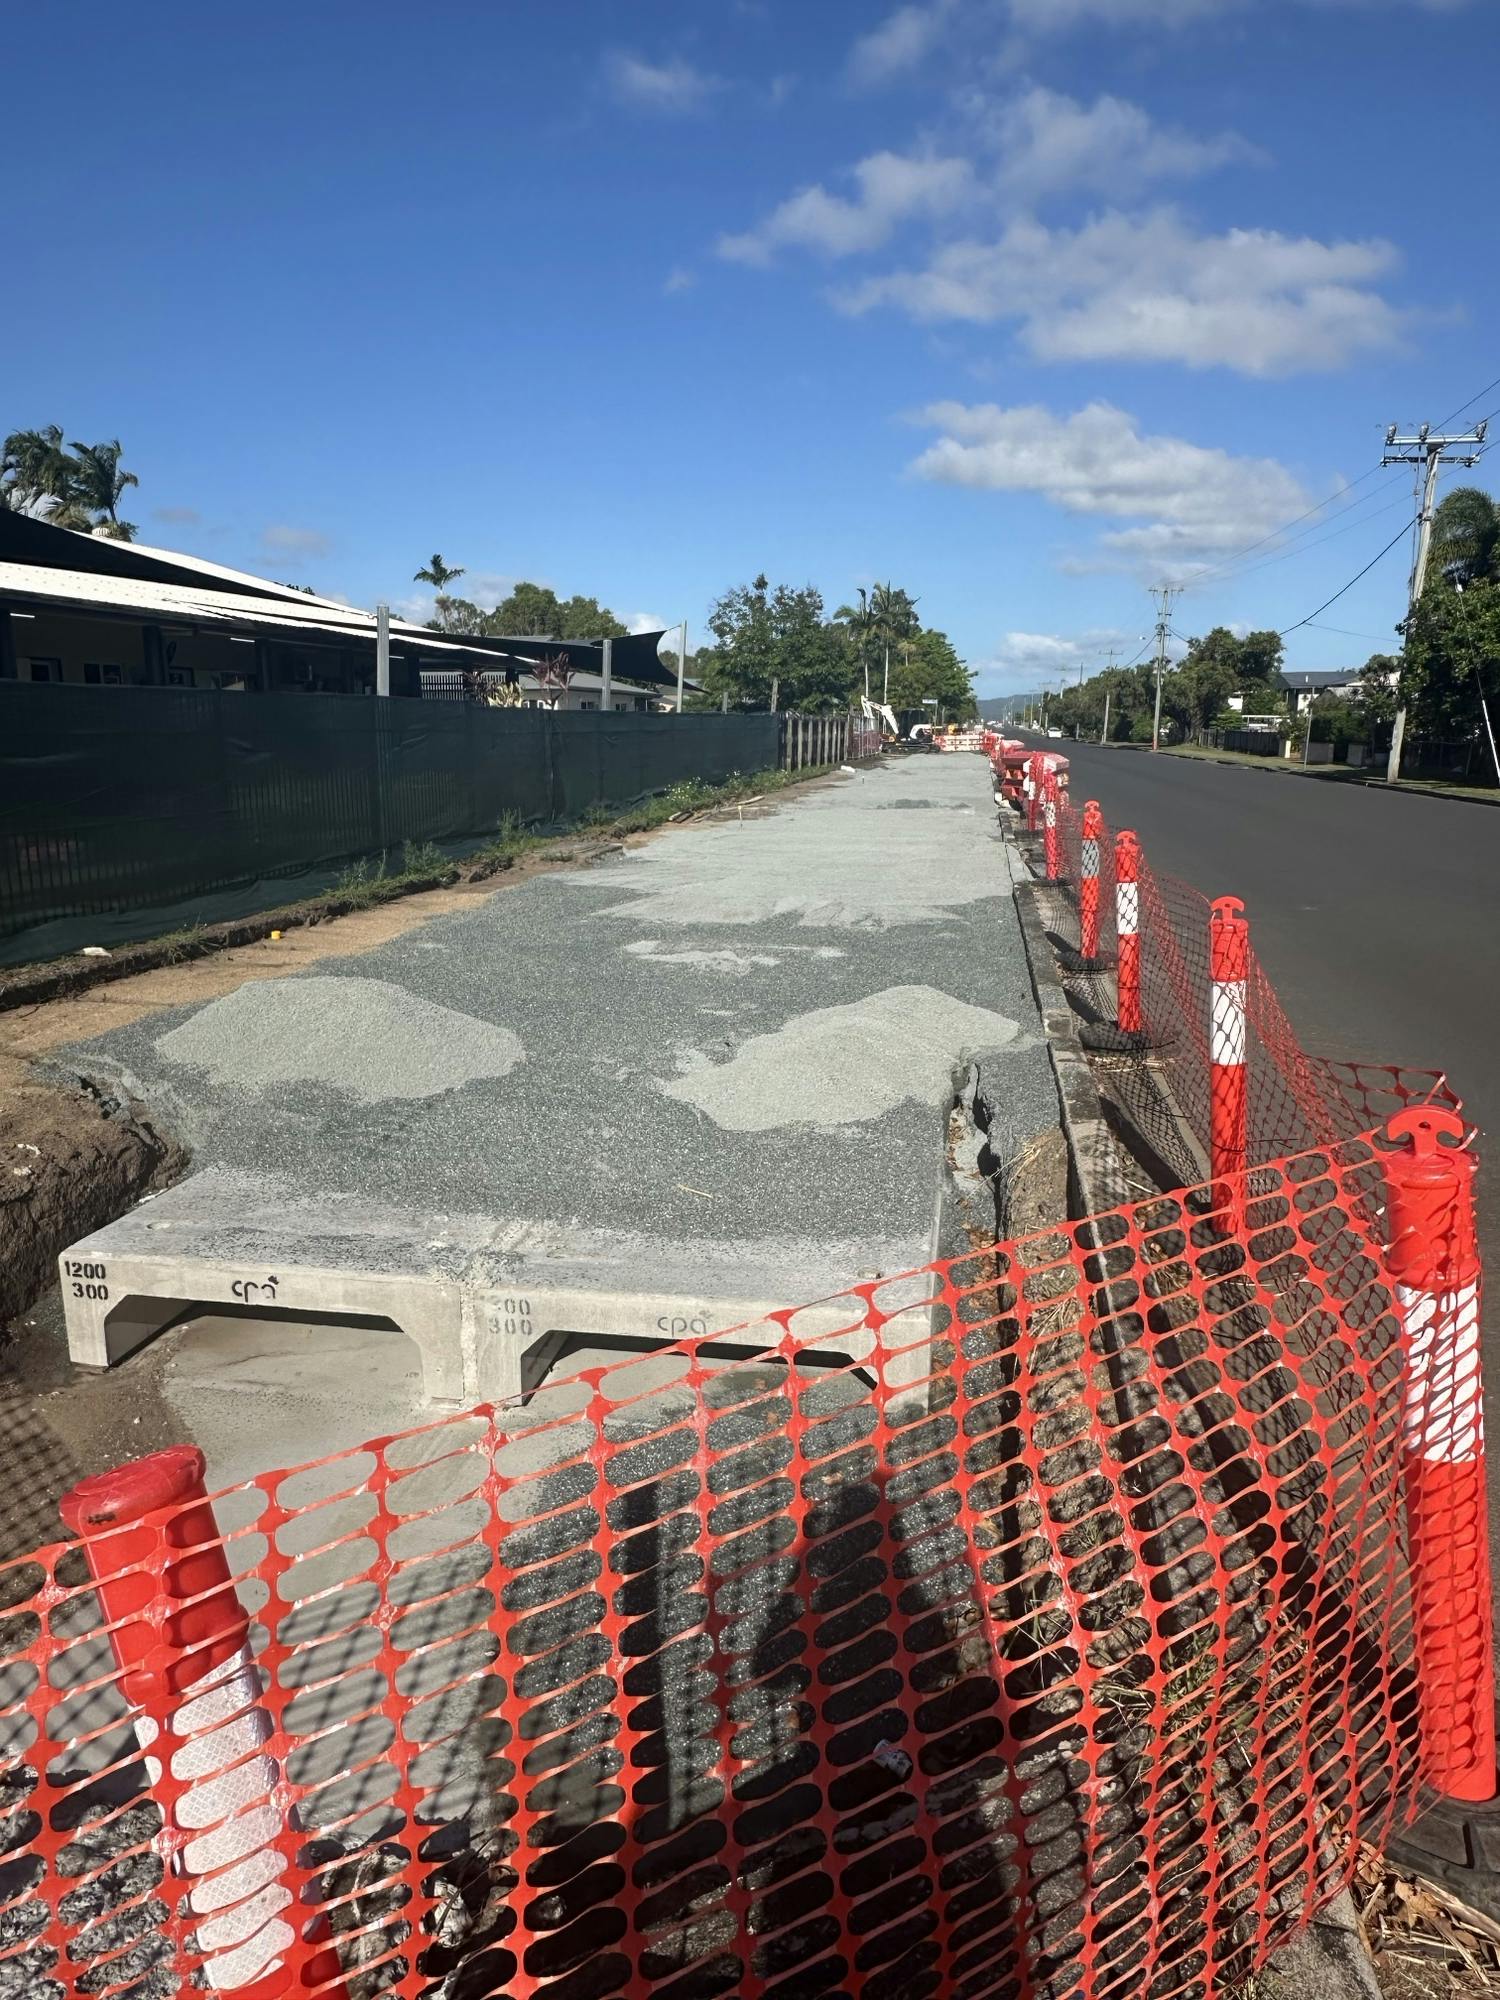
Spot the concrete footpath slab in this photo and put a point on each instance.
(701, 1080)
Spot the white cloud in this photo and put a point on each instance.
(901, 40)
(645, 621)
(1052, 144)
(1151, 288)
(678, 279)
(1026, 659)
(178, 517)
(1187, 503)
(484, 587)
(674, 85)
(293, 545)
(892, 189)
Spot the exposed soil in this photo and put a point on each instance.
(70, 1161)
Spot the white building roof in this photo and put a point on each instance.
(286, 614)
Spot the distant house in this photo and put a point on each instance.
(1304, 686)
(86, 611)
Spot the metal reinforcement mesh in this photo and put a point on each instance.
(1293, 1101)
(1035, 1624)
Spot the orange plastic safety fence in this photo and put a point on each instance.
(1292, 1100)
(1035, 1624)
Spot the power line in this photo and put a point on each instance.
(1287, 630)
(1469, 405)
(1303, 547)
(1226, 562)
(1375, 638)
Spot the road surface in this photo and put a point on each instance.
(1374, 914)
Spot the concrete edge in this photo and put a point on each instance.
(1096, 1183)
(1328, 1959)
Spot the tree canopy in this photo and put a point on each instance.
(1450, 662)
(72, 485)
(775, 646)
(531, 611)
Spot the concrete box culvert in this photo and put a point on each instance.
(489, 1307)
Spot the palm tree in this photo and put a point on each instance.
(34, 468)
(861, 625)
(99, 483)
(438, 574)
(893, 617)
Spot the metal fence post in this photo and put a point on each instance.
(1434, 1259)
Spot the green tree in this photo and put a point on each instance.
(859, 623)
(35, 468)
(586, 618)
(1379, 679)
(742, 664)
(438, 573)
(458, 616)
(926, 667)
(1260, 657)
(893, 615)
(1452, 657)
(100, 483)
(1465, 537)
(530, 612)
(814, 668)
(1450, 662)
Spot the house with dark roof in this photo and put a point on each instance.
(1304, 685)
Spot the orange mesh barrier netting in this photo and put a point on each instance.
(1035, 1624)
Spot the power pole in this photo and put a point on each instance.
(1427, 452)
(1164, 593)
(1104, 732)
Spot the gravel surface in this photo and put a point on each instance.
(591, 1024)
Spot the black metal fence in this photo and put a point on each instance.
(128, 812)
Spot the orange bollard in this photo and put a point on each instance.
(1035, 770)
(1229, 977)
(1088, 883)
(1049, 824)
(181, 1639)
(1434, 1259)
(1128, 933)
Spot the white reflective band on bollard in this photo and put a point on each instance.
(1442, 1418)
(229, 1808)
(1226, 1046)
(1127, 908)
(1091, 857)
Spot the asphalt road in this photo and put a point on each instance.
(1375, 916)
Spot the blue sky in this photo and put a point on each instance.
(1025, 304)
